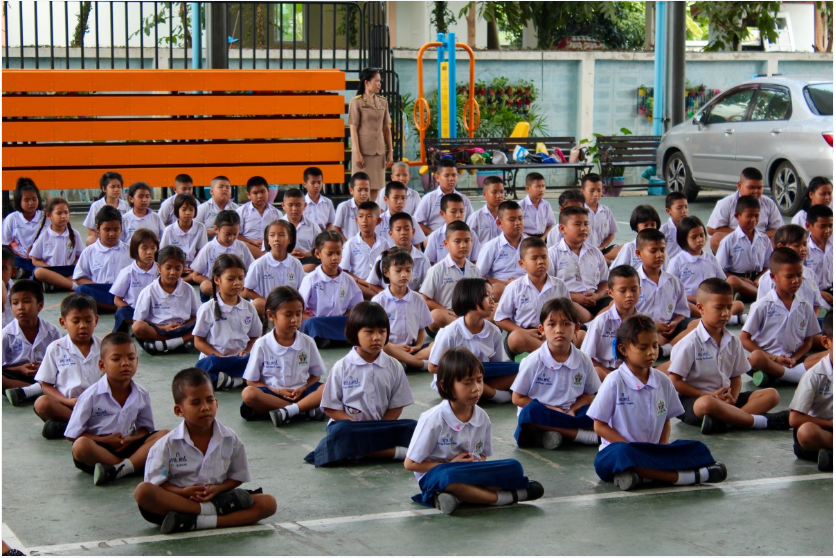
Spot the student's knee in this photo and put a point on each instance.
(250, 395)
(267, 505)
(140, 329)
(259, 304)
(807, 433)
(769, 395)
(757, 359)
(206, 288)
(82, 446)
(705, 405)
(156, 436)
(144, 493)
(43, 404)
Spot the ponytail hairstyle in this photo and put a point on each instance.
(107, 177)
(628, 332)
(327, 236)
(279, 296)
(367, 75)
(393, 256)
(50, 206)
(25, 184)
(291, 233)
(106, 214)
(224, 262)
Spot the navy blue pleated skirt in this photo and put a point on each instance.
(123, 313)
(326, 327)
(100, 292)
(676, 456)
(231, 365)
(345, 439)
(495, 369)
(504, 474)
(537, 413)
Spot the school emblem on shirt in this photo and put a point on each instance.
(291, 277)
(351, 382)
(670, 307)
(577, 379)
(303, 359)
(248, 320)
(17, 346)
(69, 246)
(661, 409)
(478, 449)
(342, 294)
(802, 325)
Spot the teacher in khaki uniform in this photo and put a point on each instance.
(371, 134)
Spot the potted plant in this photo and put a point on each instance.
(613, 185)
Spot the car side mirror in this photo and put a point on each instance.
(699, 119)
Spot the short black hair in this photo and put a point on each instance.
(491, 180)
(8, 255)
(358, 176)
(107, 214)
(311, 172)
(184, 199)
(294, 193)
(27, 286)
(365, 314)
(507, 205)
(623, 271)
(455, 365)
(368, 205)
(256, 181)
(113, 339)
(686, 225)
(572, 194)
(468, 294)
(817, 212)
(790, 234)
(530, 242)
(77, 302)
(183, 179)
(218, 179)
(532, 176)
(394, 185)
(291, 233)
(560, 304)
(281, 295)
(140, 236)
(401, 216)
(674, 197)
(444, 164)
(171, 253)
(750, 173)
(783, 256)
(630, 329)
(107, 177)
(454, 227)
(447, 199)
(746, 202)
(646, 236)
(136, 187)
(590, 177)
(715, 286)
(827, 325)
(189, 378)
(642, 214)
(327, 236)
(227, 218)
(567, 212)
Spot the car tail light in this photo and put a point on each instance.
(828, 138)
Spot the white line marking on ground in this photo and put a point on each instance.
(11, 539)
(312, 523)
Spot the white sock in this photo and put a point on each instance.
(207, 522)
(400, 453)
(665, 351)
(174, 343)
(292, 410)
(587, 437)
(426, 365)
(703, 474)
(733, 320)
(503, 498)
(760, 422)
(127, 468)
(686, 477)
(32, 391)
(208, 508)
(75, 285)
(238, 382)
(161, 345)
(794, 374)
(502, 396)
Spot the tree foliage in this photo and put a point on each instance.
(730, 22)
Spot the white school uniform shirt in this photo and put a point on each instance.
(306, 233)
(407, 315)
(486, 345)
(692, 270)
(821, 261)
(366, 390)
(174, 459)
(809, 290)
(723, 214)
(101, 264)
(132, 223)
(130, 282)
(483, 225)
(800, 218)
(253, 222)
(166, 211)
(705, 365)
(346, 218)
(500, 260)
(55, 249)
(436, 251)
(99, 414)
(190, 242)
(429, 210)
(662, 300)
(442, 278)
(207, 211)
(18, 350)
(600, 334)
(322, 212)
(383, 227)
(420, 266)
(67, 369)
(521, 302)
(358, 256)
(581, 273)
(627, 256)
(230, 333)
(155, 306)
(779, 331)
(550, 382)
(8, 316)
(19, 234)
(636, 411)
(284, 367)
(601, 224)
(738, 254)
(90, 221)
(330, 296)
(440, 436)
(554, 237)
(413, 198)
(267, 273)
(672, 249)
(814, 394)
(205, 259)
(537, 219)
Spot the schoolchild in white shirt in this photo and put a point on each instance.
(361, 250)
(518, 310)
(318, 208)
(221, 191)
(364, 396)
(284, 371)
(185, 233)
(400, 174)
(306, 229)
(676, 206)
(482, 222)
(498, 260)
(568, 198)
(255, 215)
(539, 215)
(276, 268)
(165, 310)
(794, 237)
(745, 251)
(227, 224)
(100, 263)
(632, 413)
(21, 226)
(226, 326)
(144, 246)
(25, 341)
(193, 473)
(643, 217)
(70, 365)
(452, 442)
(820, 248)
(602, 225)
(111, 185)
(56, 248)
(394, 198)
(183, 184)
(819, 192)
(112, 425)
(401, 231)
(407, 310)
(9, 271)
(452, 210)
(706, 368)
(140, 216)
(428, 213)
(345, 221)
(781, 327)
(555, 384)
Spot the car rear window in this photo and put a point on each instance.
(820, 98)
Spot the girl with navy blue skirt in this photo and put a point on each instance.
(452, 442)
(20, 227)
(556, 384)
(364, 396)
(143, 248)
(56, 248)
(632, 413)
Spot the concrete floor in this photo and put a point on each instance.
(771, 503)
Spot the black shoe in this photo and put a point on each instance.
(104, 474)
(232, 501)
(534, 491)
(188, 347)
(711, 425)
(176, 522)
(825, 462)
(149, 347)
(15, 396)
(317, 414)
(54, 429)
(762, 380)
(13, 552)
(627, 480)
(778, 421)
(716, 472)
(322, 343)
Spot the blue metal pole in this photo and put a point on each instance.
(197, 37)
(451, 52)
(659, 71)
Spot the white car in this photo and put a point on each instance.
(782, 126)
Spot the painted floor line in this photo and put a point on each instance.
(11, 539)
(313, 523)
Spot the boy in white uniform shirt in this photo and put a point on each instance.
(452, 209)
(227, 225)
(318, 208)
(362, 249)
(483, 221)
(676, 206)
(393, 199)
(820, 248)
(745, 251)
(400, 174)
(183, 184)
(602, 225)
(498, 260)
(306, 229)
(70, 365)
(112, 426)
(539, 215)
(794, 237)
(428, 213)
(193, 473)
(345, 221)
(220, 190)
(401, 230)
(255, 215)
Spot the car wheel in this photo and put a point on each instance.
(678, 177)
(788, 190)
